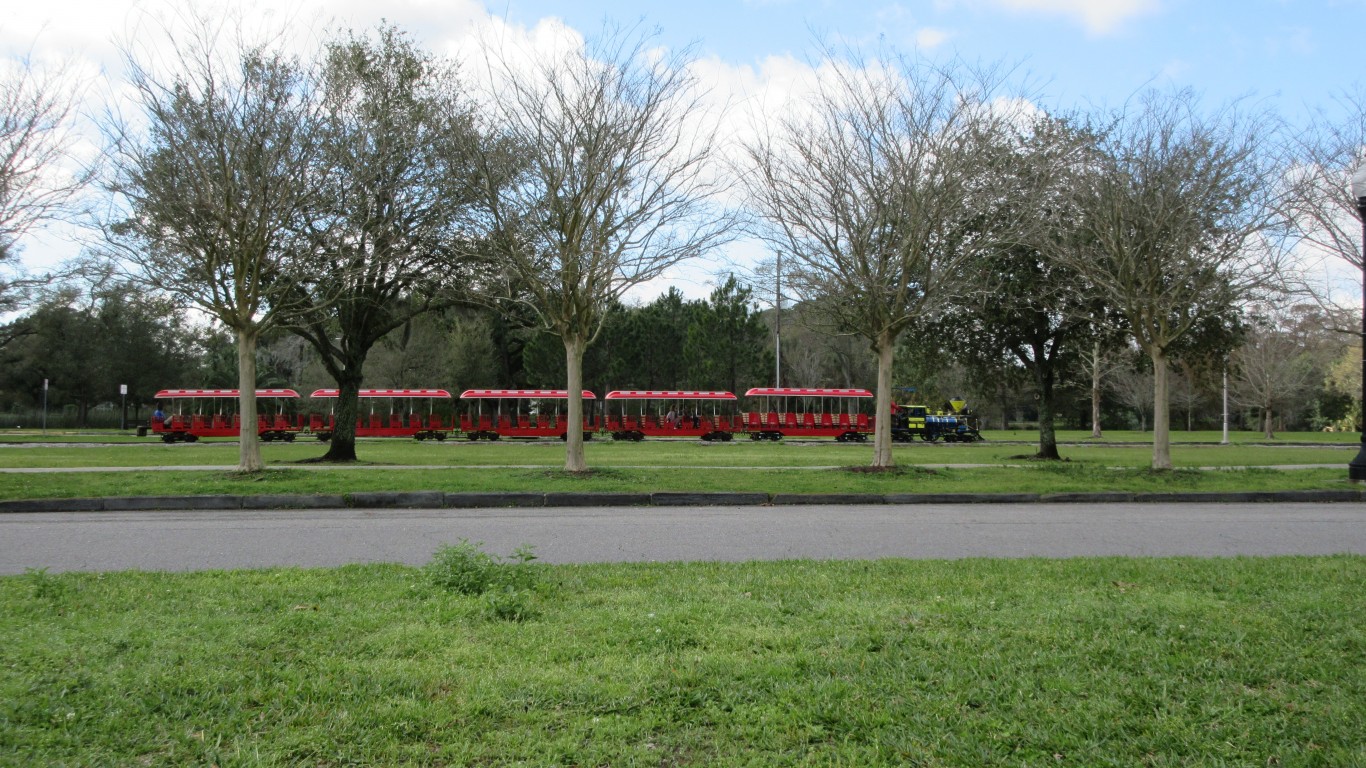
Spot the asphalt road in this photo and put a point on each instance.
(181, 541)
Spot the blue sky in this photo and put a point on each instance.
(1293, 56)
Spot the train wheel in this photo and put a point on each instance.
(192, 438)
(289, 437)
(440, 436)
(168, 438)
(324, 436)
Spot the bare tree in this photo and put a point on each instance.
(1321, 208)
(613, 185)
(1273, 369)
(1181, 214)
(1134, 388)
(37, 182)
(1100, 362)
(870, 189)
(213, 187)
(1186, 393)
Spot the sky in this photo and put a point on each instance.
(1297, 57)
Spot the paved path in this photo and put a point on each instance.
(178, 541)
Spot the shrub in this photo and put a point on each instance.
(509, 584)
(462, 568)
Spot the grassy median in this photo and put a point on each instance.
(666, 465)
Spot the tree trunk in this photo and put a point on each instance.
(249, 440)
(1048, 437)
(574, 459)
(1095, 391)
(342, 448)
(1162, 448)
(1267, 430)
(1005, 404)
(882, 426)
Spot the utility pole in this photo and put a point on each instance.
(778, 322)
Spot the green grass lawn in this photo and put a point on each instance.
(1065, 436)
(666, 465)
(1086, 662)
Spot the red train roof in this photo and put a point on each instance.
(521, 394)
(438, 393)
(669, 394)
(171, 394)
(806, 392)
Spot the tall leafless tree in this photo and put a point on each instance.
(612, 184)
(211, 182)
(1274, 367)
(1100, 361)
(1134, 388)
(871, 189)
(38, 177)
(1182, 213)
(1322, 209)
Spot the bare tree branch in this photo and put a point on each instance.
(612, 184)
(211, 185)
(1184, 214)
(37, 181)
(870, 188)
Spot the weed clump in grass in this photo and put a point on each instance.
(47, 588)
(508, 584)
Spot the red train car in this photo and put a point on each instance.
(404, 417)
(671, 413)
(196, 413)
(808, 412)
(522, 413)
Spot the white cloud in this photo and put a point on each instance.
(1100, 17)
(1175, 69)
(928, 38)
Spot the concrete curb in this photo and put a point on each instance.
(861, 499)
(479, 500)
(685, 499)
(293, 501)
(404, 500)
(960, 498)
(440, 500)
(597, 499)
